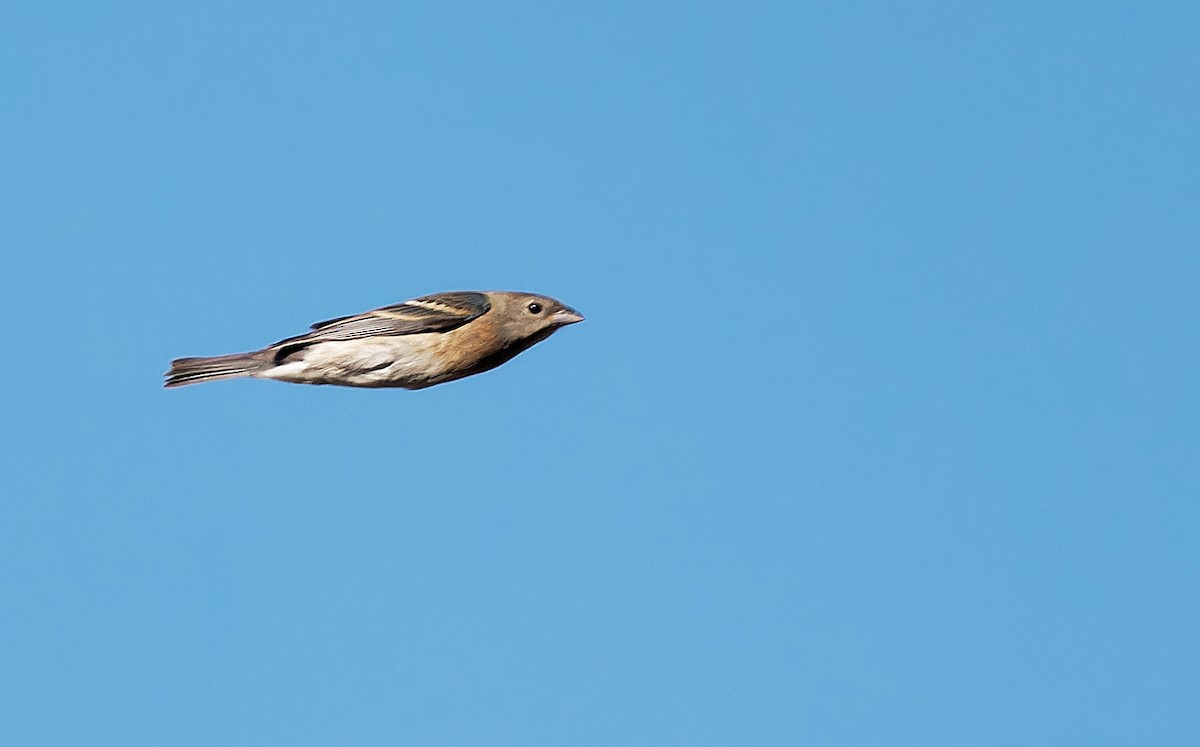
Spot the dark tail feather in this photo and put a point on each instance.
(186, 371)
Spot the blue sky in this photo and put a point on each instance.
(882, 428)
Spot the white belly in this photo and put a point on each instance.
(404, 361)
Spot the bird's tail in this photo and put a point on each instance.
(186, 371)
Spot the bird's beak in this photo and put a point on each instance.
(567, 316)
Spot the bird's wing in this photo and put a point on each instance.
(440, 312)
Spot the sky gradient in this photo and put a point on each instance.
(883, 427)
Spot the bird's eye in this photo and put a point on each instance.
(534, 308)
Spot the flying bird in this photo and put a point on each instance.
(416, 344)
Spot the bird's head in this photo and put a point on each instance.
(528, 316)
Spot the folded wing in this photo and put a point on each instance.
(440, 312)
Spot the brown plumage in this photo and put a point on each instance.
(425, 341)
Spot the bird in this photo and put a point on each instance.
(412, 345)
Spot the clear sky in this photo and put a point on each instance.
(883, 427)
